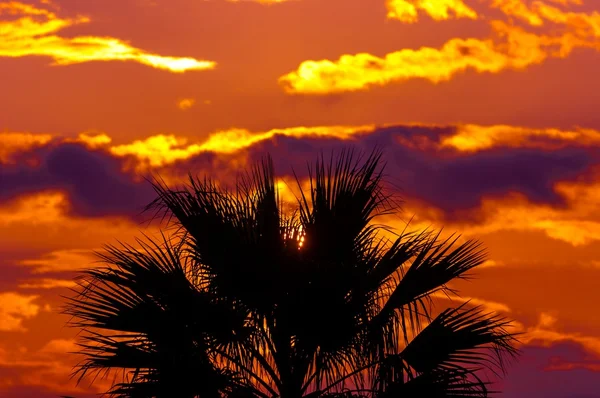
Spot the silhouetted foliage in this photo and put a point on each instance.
(244, 300)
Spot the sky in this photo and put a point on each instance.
(486, 109)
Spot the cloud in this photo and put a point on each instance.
(92, 141)
(14, 309)
(35, 373)
(408, 10)
(46, 283)
(34, 33)
(448, 167)
(16, 142)
(575, 222)
(474, 138)
(92, 179)
(508, 47)
(487, 304)
(535, 374)
(539, 13)
(447, 181)
(41, 229)
(186, 103)
(362, 71)
(160, 150)
(544, 334)
(58, 261)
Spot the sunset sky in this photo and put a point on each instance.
(487, 111)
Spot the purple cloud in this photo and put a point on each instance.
(93, 180)
(445, 178)
(530, 377)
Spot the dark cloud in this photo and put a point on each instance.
(93, 180)
(444, 178)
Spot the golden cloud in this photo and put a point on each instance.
(160, 150)
(93, 141)
(474, 138)
(14, 309)
(509, 47)
(33, 33)
(584, 25)
(408, 10)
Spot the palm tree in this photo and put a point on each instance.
(243, 299)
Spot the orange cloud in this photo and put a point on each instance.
(408, 10)
(14, 309)
(509, 47)
(473, 138)
(48, 367)
(185, 103)
(545, 334)
(29, 36)
(70, 239)
(12, 143)
(576, 223)
(57, 261)
(489, 305)
(47, 283)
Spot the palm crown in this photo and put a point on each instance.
(244, 299)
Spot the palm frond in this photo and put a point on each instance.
(460, 339)
(141, 313)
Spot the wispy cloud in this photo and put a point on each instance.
(32, 31)
(59, 261)
(47, 283)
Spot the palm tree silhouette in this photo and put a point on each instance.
(243, 299)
